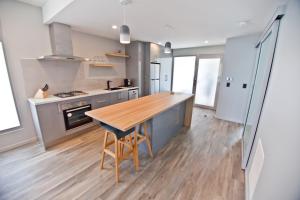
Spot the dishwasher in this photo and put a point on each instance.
(133, 94)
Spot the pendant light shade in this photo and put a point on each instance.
(168, 47)
(124, 34)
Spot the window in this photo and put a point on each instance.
(9, 116)
(183, 76)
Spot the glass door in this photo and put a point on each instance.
(259, 89)
(207, 81)
(184, 74)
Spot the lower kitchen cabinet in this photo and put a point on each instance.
(49, 122)
(119, 97)
(49, 119)
(101, 101)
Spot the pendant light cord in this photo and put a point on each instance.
(124, 15)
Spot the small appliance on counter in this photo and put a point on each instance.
(127, 82)
(42, 93)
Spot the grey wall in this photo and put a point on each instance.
(135, 64)
(279, 125)
(25, 36)
(238, 63)
(138, 65)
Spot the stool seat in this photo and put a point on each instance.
(120, 134)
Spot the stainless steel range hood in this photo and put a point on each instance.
(61, 44)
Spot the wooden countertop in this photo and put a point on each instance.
(126, 115)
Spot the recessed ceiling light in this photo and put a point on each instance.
(206, 42)
(243, 23)
(114, 26)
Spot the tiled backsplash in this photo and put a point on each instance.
(65, 76)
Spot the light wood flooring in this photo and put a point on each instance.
(202, 163)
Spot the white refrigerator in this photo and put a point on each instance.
(154, 78)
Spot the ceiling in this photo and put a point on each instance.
(39, 3)
(185, 23)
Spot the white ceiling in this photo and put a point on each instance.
(39, 3)
(192, 21)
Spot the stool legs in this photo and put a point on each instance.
(148, 139)
(119, 153)
(117, 158)
(103, 152)
(136, 150)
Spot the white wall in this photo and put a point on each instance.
(215, 50)
(25, 36)
(238, 63)
(279, 127)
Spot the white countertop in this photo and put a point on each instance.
(53, 99)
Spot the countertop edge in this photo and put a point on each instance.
(91, 93)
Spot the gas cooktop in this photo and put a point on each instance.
(70, 94)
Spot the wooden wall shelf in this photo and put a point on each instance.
(101, 65)
(122, 55)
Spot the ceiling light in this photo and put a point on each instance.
(114, 26)
(124, 29)
(159, 43)
(124, 34)
(206, 42)
(243, 23)
(168, 47)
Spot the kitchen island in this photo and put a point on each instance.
(165, 114)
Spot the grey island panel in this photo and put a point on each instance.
(163, 127)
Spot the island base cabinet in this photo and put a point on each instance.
(163, 127)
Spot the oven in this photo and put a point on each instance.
(75, 116)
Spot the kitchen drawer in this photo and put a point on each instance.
(101, 101)
(119, 97)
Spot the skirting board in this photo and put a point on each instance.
(19, 144)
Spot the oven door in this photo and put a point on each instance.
(75, 117)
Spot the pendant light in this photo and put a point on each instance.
(168, 48)
(124, 29)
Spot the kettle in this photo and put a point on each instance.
(127, 82)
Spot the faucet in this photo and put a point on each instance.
(108, 84)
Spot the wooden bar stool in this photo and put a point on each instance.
(121, 140)
(138, 139)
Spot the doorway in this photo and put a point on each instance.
(266, 49)
(197, 75)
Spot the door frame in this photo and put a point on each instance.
(273, 28)
(199, 56)
(208, 56)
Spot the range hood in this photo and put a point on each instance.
(61, 44)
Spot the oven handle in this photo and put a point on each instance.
(80, 108)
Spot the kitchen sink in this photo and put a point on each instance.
(115, 88)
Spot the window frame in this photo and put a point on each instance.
(9, 130)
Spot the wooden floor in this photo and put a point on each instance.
(203, 163)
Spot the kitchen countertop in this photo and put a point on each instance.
(126, 115)
(53, 99)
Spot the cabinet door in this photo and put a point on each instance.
(51, 122)
(101, 101)
(119, 97)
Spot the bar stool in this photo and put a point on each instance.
(121, 139)
(138, 139)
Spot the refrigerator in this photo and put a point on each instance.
(154, 78)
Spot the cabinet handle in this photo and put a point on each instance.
(103, 101)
